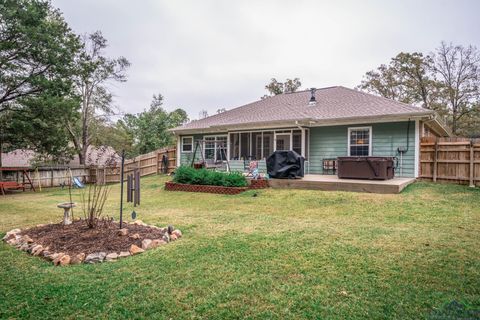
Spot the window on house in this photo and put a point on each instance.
(215, 148)
(359, 141)
(187, 144)
(209, 148)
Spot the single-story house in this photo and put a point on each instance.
(318, 124)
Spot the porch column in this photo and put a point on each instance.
(179, 151)
(303, 143)
(228, 146)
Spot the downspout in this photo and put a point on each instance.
(304, 147)
(402, 150)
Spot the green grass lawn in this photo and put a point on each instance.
(283, 254)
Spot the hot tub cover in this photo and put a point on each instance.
(285, 164)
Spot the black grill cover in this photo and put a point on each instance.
(284, 164)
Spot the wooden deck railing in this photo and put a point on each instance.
(450, 159)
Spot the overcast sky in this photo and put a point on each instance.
(220, 54)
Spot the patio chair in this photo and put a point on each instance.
(252, 170)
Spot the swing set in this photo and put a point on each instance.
(221, 163)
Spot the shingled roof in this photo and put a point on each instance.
(332, 103)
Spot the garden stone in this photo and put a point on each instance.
(146, 244)
(166, 237)
(52, 256)
(11, 234)
(56, 261)
(78, 258)
(177, 232)
(24, 247)
(156, 243)
(122, 232)
(95, 257)
(173, 237)
(135, 250)
(65, 260)
(26, 239)
(12, 241)
(135, 236)
(111, 256)
(170, 229)
(36, 250)
(124, 254)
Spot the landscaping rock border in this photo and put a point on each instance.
(27, 244)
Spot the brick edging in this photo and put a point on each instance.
(173, 186)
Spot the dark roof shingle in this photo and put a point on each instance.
(332, 103)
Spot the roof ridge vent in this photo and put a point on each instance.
(312, 101)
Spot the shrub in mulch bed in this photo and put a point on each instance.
(76, 243)
(173, 186)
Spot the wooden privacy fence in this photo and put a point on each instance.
(450, 159)
(149, 163)
(49, 176)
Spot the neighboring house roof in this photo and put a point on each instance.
(332, 104)
(95, 156)
(17, 158)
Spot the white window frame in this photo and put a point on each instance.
(183, 137)
(215, 144)
(350, 129)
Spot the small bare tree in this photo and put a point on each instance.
(93, 201)
(95, 196)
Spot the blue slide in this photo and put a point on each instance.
(77, 183)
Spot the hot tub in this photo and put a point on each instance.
(371, 168)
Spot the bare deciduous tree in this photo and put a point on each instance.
(95, 72)
(458, 68)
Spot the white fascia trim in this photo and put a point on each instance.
(416, 172)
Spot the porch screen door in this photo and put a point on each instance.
(283, 141)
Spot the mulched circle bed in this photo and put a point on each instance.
(77, 237)
(77, 243)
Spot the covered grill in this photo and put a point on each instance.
(283, 164)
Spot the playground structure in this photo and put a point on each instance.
(221, 162)
(15, 185)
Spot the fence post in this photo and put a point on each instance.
(435, 156)
(158, 158)
(472, 165)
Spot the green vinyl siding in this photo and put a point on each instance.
(331, 142)
(186, 157)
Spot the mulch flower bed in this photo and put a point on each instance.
(76, 243)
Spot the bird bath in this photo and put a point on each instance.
(66, 206)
